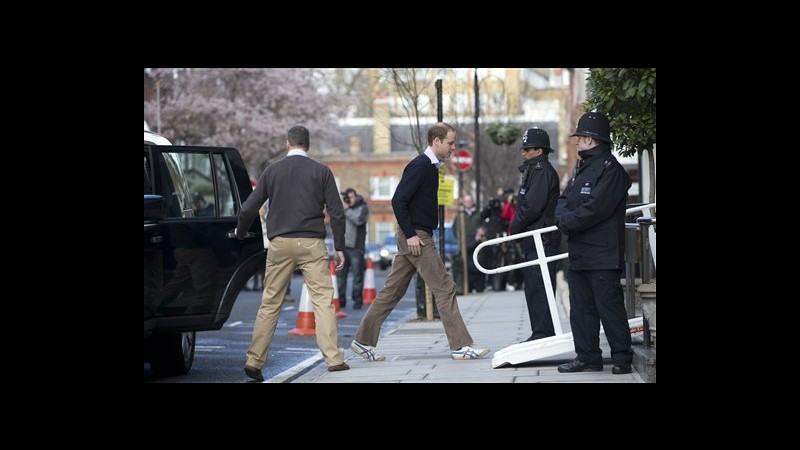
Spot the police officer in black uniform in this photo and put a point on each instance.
(591, 212)
(536, 205)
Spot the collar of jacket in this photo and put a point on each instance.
(532, 161)
(359, 201)
(594, 153)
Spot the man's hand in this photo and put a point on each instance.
(338, 258)
(414, 244)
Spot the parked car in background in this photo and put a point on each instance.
(373, 252)
(194, 267)
(387, 251)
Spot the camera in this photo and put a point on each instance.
(345, 197)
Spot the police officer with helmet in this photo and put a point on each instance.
(591, 213)
(537, 198)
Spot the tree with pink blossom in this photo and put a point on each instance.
(249, 109)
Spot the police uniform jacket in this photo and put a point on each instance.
(591, 211)
(536, 204)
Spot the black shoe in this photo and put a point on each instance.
(619, 369)
(357, 306)
(254, 373)
(532, 338)
(579, 366)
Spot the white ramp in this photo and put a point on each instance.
(544, 348)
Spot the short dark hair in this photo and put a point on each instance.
(298, 136)
(439, 130)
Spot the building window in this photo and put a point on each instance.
(382, 188)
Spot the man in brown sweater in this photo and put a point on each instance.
(299, 189)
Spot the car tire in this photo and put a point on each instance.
(172, 353)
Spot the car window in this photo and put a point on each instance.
(227, 206)
(199, 177)
(179, 199)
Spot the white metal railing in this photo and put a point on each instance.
(542, 262)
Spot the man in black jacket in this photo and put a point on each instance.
(591, 212)
(537, 196)
(415, 208)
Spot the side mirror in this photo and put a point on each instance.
(154, 207)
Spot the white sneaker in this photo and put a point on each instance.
(468, 352)
(365, 351)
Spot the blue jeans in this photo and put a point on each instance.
(353, 259)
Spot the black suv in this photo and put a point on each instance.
(193, 265)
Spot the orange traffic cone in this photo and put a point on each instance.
(368, 295)
(305, 325)
(336, 304)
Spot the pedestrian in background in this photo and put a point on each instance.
(538, 195)
(472, 220)
(416, 210)
(299, 189)
(591, 212)
(356, 215)
(476, 280)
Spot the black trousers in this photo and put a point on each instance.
(596, 296)
(536, 296)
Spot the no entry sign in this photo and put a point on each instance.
(462, 159)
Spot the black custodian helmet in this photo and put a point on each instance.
(594, 125)
(536, 138)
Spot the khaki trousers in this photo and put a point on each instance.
(431, 268)
(311, 256)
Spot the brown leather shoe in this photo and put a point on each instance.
(337, 368)
(254, 373)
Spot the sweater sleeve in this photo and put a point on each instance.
(333, 205)
(401, 202)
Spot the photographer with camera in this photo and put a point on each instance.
(356, 215)
(501, 255)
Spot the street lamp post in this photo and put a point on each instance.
(477, 147)
(158, 104)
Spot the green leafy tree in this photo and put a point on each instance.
(628, 97)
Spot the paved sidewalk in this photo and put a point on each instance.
(417, 352)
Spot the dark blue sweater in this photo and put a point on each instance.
(415, 199)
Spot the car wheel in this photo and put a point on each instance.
(172, 354)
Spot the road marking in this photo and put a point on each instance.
(288, 373)
(235, 324)
(301, 349)
(207, 348)
(288, 308)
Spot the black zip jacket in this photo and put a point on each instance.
(591, 211)
(536, 202)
